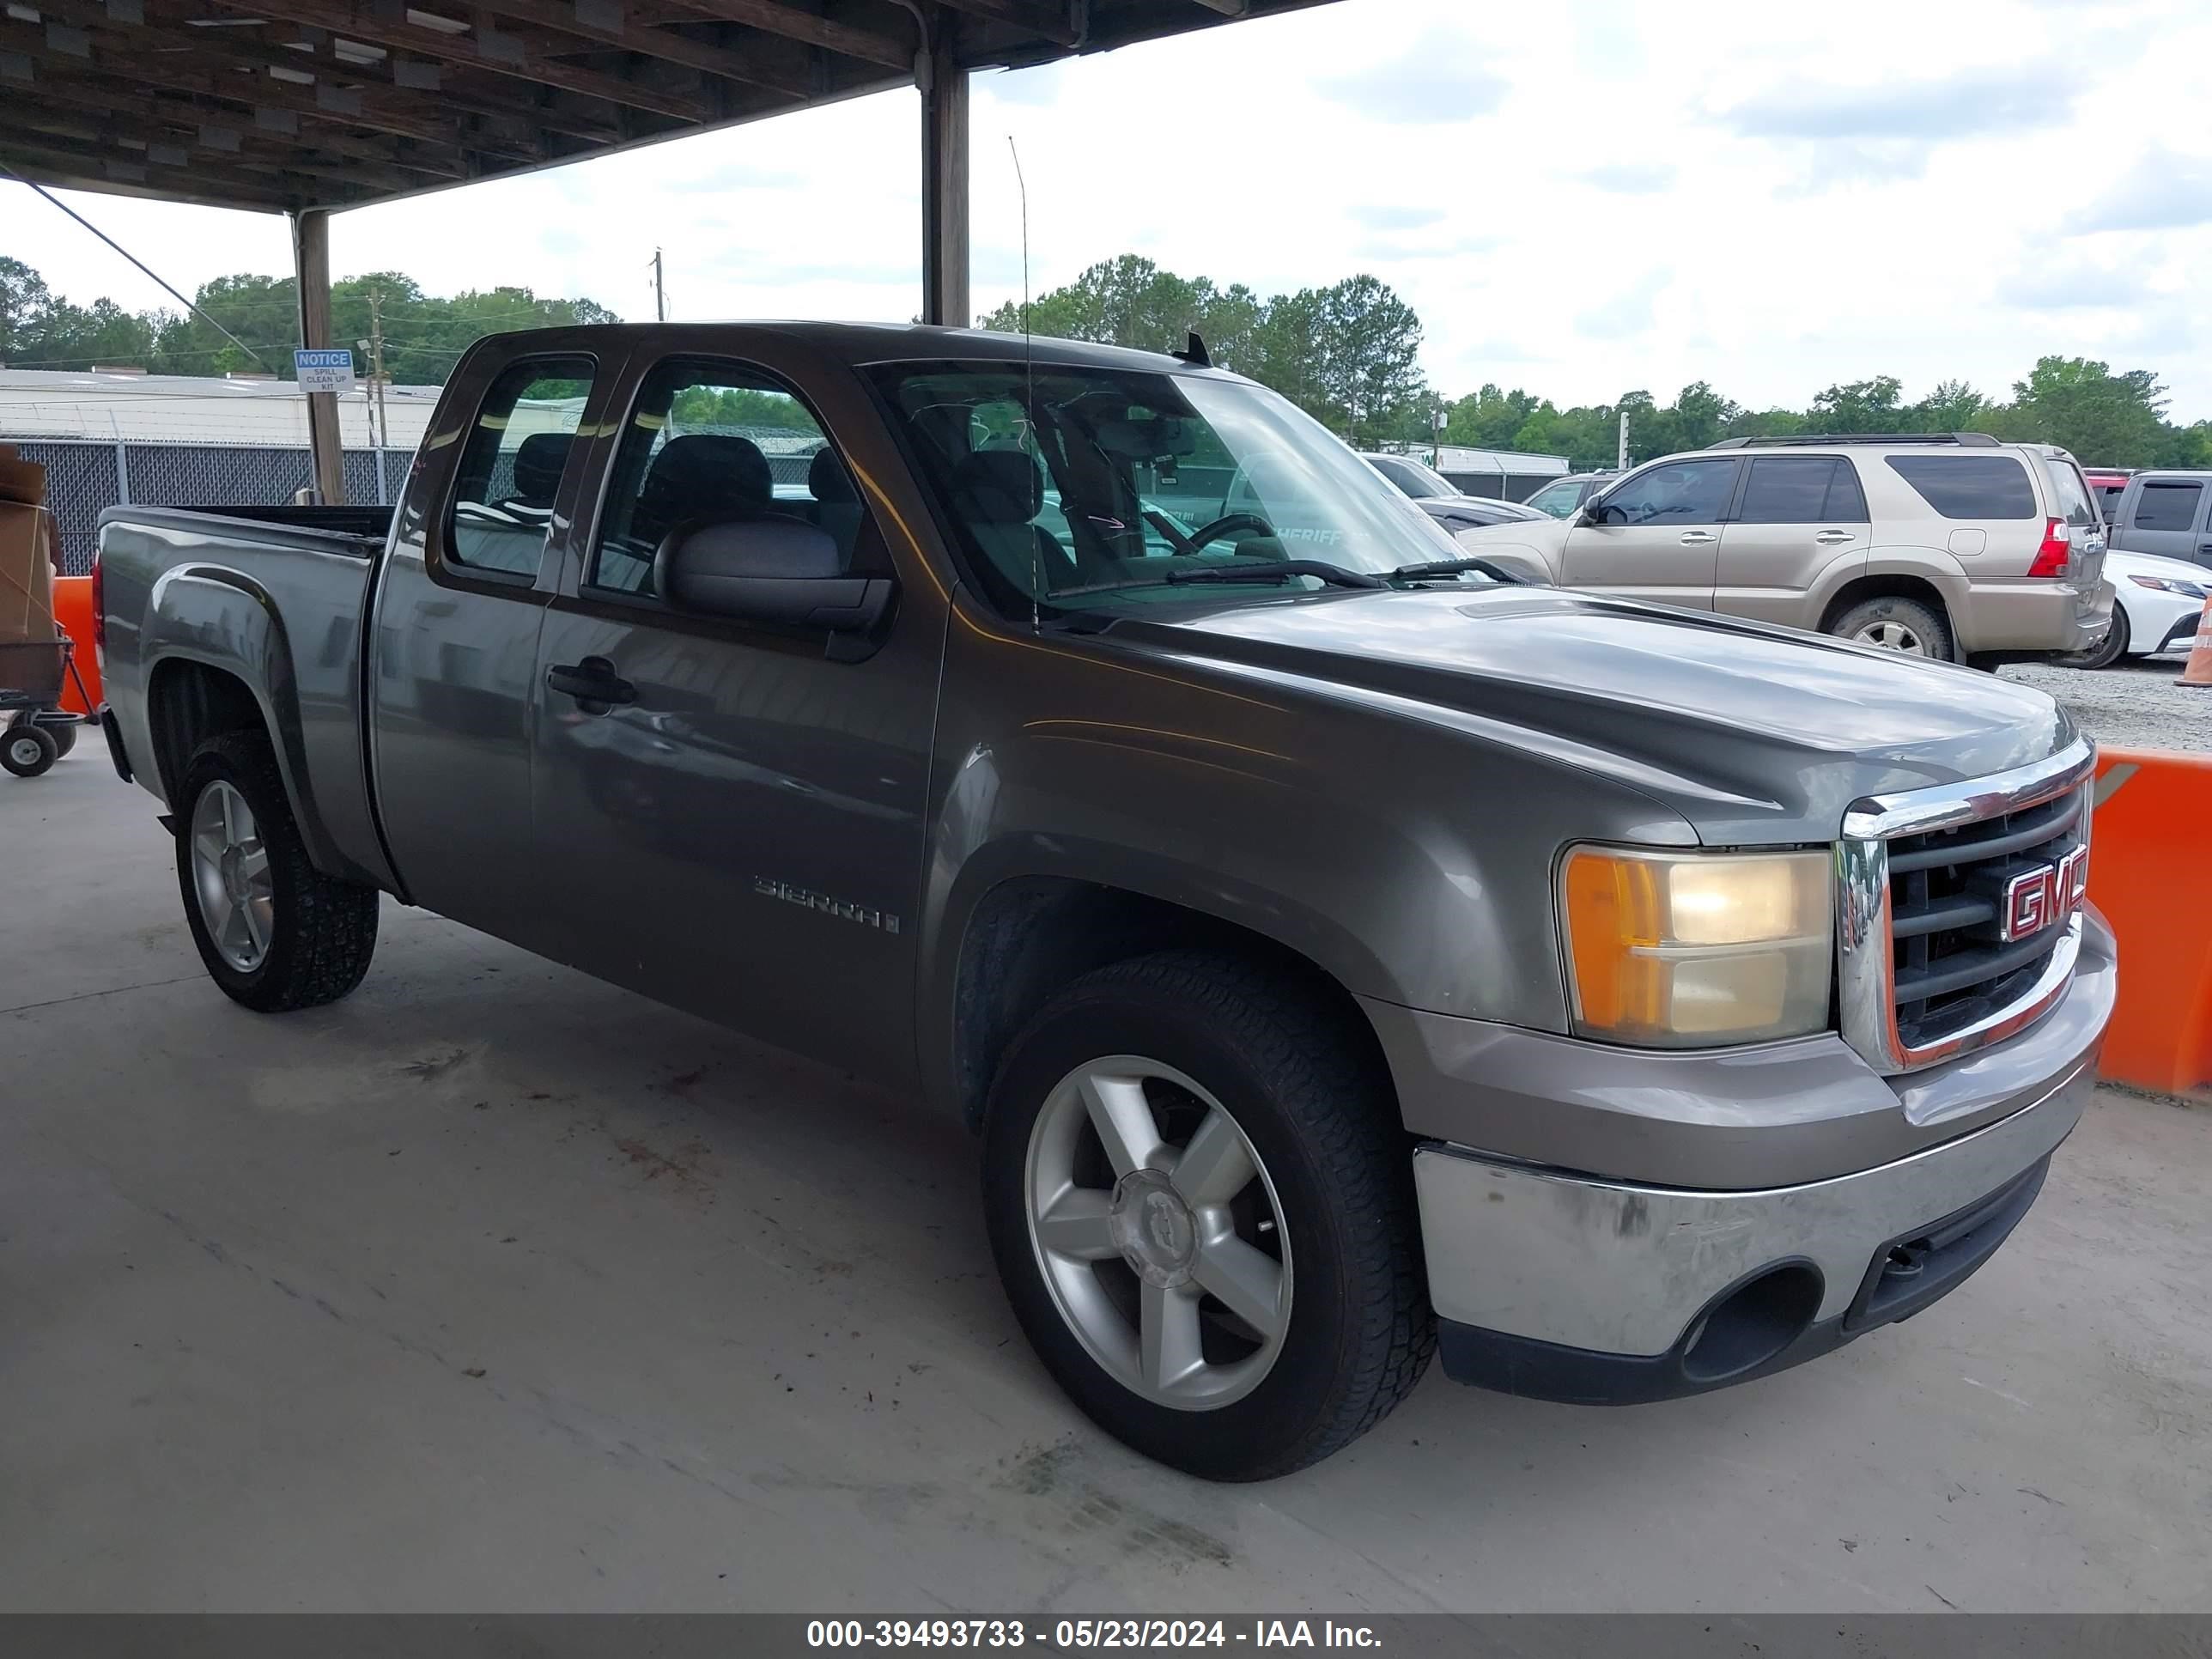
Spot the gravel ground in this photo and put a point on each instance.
(2134, 704)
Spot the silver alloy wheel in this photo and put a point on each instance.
(24, 749)
(230, 876)
(1185, 1222)
(1893, 635)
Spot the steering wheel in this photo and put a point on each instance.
(1227, 522)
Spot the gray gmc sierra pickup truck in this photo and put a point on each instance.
(1341, 953)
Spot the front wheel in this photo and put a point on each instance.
(274, 933)
(1201, 1205)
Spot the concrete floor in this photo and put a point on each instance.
(493, 1288)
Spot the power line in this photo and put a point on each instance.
(57, 201)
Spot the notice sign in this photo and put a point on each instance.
(323, 371)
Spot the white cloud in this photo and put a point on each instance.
(1442, 76)
(1630, 178)
(2073, 285)
(1456, 161)
(1631, 312)
(2164, 191)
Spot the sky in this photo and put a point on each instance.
(1583, 198)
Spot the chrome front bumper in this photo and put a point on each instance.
(1571, 1286)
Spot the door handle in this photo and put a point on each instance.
(1834, 538)
(592, 681)
(1698, 537)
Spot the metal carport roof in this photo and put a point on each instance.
(289, 105)
(308, 107)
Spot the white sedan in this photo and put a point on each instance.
(2159, 602)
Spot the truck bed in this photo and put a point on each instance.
(270, 601)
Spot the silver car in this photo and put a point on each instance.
(1950, 545)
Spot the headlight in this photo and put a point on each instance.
(2166, 584)
(1689, 950)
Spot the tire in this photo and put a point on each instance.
(275, 933)
(28, 751)
(1351, 1329)
(1887, 621)
(64, 738)
(2107, 651)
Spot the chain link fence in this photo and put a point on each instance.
(85, 478)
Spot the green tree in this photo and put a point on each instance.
(24, 300)
(1859, 406)
(1952, 406)
(2104, 418)
(1370, 357)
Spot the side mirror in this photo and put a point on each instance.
(767, 570)
(1593, 512)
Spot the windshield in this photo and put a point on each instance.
(1416, 480)
(1082, 488)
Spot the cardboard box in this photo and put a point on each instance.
(26, 552)
(21, 481)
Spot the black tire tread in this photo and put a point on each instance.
(326, 927)
(49, 751)
(1933, 623)
(1344, 1108)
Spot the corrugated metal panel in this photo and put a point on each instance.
(1452, 458)
(184, 409)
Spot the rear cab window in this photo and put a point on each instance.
(510, 468)
(1969, 486)
(711, 438)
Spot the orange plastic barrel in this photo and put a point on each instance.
(2147, 874)
(73, 610)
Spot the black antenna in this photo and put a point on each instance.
(1193, 353)
(1028, 390)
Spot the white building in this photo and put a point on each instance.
(122, 407)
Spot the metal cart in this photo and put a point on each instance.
(35, 730)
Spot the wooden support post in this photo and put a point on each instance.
(943, 182)
(311, 276)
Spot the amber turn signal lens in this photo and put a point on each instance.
(1685, 950)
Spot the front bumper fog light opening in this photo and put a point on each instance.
(1753, 1323)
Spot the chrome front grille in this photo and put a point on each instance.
(1958, 908)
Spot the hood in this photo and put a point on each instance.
(1753, 733)
(2118, 562)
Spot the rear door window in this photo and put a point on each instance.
(511, 465)
(1801, 490)
(1969, 486)
(2166, 507)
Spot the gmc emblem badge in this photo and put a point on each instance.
(2040, 898)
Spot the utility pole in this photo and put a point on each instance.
(659, 290)
(1621, 459)
(376, 371)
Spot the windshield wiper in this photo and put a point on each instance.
(1406, 573)
(1274, 570)
(1255, 570)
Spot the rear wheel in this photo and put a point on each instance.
(27, 751)
(1201, 1205)
(274, 933)
(2107, 651)
(64, 739)
(1896, 624)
